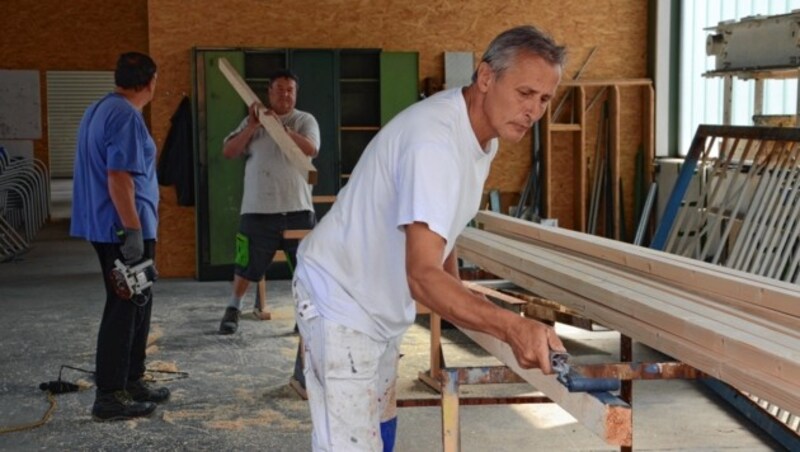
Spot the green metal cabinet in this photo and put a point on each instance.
(318, 95)
(399, 82)
(219, 111)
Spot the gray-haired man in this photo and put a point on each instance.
(389, 239)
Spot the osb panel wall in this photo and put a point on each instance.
(74, 35)
(617, 27)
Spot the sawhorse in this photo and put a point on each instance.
(261, 311)
(608, 416)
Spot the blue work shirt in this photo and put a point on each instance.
(112, 136)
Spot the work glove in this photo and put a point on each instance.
(132, 248)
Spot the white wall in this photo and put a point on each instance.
(700, 97)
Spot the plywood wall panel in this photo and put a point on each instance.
(68, 35)
(617, 27)
(176, 254)
(563, 178)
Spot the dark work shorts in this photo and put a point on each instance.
(261, 235)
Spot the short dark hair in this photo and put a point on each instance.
(134, 70)
(283, 73)
(525, 38)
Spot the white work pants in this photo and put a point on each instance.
(350, 381)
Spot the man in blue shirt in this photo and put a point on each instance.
(115, 207)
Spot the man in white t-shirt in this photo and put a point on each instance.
(389, 239)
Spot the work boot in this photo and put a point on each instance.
(230, 321)
(118, 406)
(142, 392)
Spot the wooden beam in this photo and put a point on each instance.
(702, 277)
(769, 369)
(580, 164)
(295, 234)
(275, 130)
(608, 82)
(777, 353)
(608, 417)
(489, 292)
(546, 168)
(787, 395)
(323, 199)
(614, 107)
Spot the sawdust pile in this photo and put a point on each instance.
(162, 366)
(156, 333)
(228, 417)
(261, 418)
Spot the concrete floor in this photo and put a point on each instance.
(236, 395)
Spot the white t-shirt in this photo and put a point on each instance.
(425, 165)
(271, 183)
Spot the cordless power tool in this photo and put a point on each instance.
(576, 382)
(130, 282)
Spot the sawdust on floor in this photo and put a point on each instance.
(262, 418)
(84, 384)
(228, 417)
(156, 333)
(163, 366)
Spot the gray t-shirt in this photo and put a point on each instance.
(271, 183)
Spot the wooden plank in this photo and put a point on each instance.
(290, 149)
(323, 199)
(451, 427)
(768, 321)
(565, 127)
(725, 335)
(786, 394)
(436, 347)
(614, 140)
(262, 312)
(475, 287)
(580, 160)
(768, 344)
(691, 273)
(546, 170)
(700, 276)
(608, 417)
(648, 287)
(295, 234)
(608, 82)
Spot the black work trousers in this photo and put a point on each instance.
(122, 339)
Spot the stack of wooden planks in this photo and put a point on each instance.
(740, 328)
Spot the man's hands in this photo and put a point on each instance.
(132, 247)
(438, 287)
(236, 145)
(531, 342)
(255, 112)
(252, 116)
